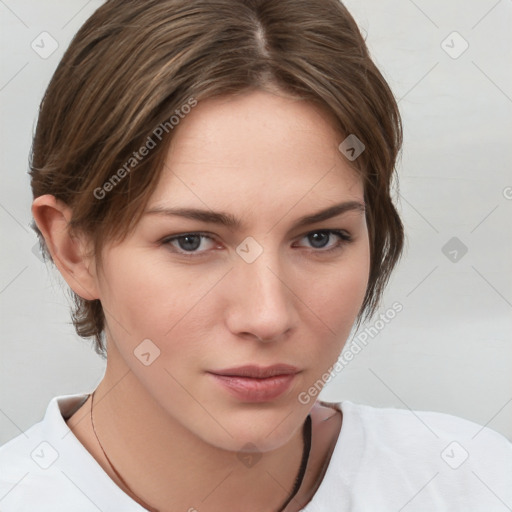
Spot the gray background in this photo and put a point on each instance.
(450, 349)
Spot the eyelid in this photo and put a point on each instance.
(344, 238)
(168, 239)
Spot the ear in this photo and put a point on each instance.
(69, 253)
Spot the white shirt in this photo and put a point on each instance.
(385, 459)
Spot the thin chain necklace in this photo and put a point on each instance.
(306, 439)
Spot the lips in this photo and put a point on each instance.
(255, 383)
(257, 372)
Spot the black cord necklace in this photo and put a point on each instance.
(306, 438)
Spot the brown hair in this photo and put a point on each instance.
(133, 67)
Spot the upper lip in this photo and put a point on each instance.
(258, 372)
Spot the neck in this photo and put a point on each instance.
(170, 468)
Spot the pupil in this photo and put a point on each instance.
(189, 242)
(319, 239)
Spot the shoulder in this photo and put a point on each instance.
(429, 458)
(409, 431)
(438, 424)
(25, 478)
(46, 468)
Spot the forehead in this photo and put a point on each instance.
(257, 150)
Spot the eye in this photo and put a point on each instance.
(198, 244)
(326, 240)
(190, 243)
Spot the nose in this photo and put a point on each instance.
(261, 301)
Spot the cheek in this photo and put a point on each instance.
(338, 293)
(335, 298)
(132, 291)
(148, 297)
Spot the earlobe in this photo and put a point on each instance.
(69, 252)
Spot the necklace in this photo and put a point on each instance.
(306, 440)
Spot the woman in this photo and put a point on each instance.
(212, 180)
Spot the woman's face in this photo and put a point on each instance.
(268, 289)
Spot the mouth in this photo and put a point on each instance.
(255, 383)
(257, 372)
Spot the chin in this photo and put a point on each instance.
(254, 429)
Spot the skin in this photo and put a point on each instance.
(169, 428)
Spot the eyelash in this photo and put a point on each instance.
(344, 238)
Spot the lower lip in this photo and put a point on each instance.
(255, 390)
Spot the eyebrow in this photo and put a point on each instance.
(230, 221)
